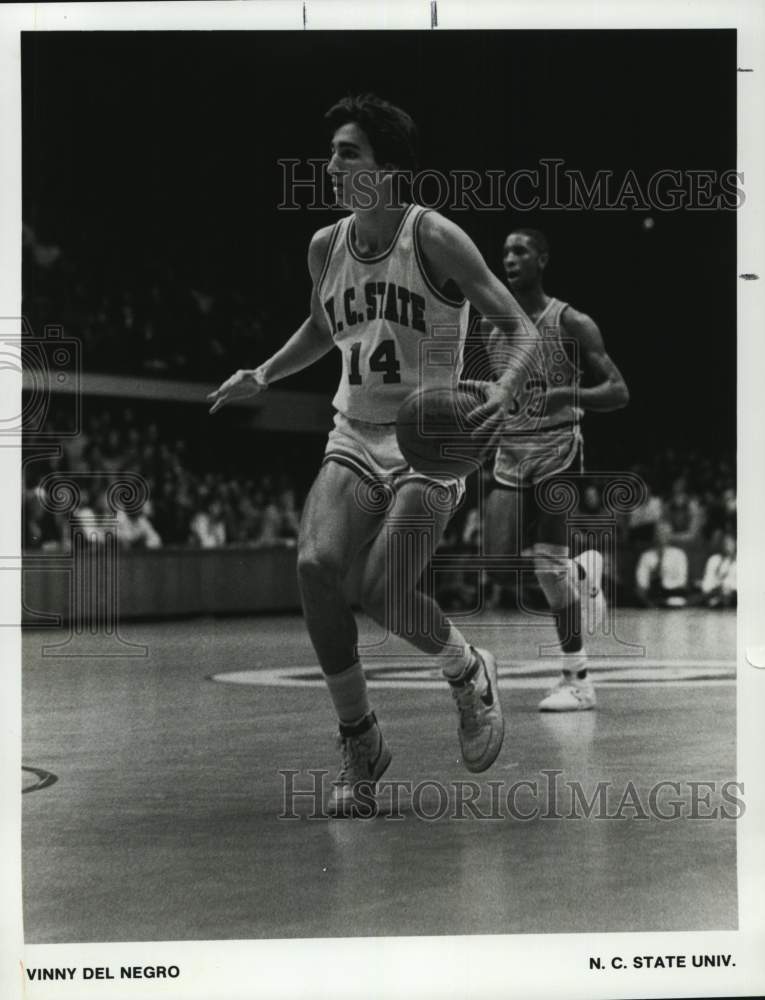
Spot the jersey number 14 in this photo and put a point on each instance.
(382, 359)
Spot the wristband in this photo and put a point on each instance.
(260, 377)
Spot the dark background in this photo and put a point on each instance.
(162, 148)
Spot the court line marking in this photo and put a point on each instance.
(523, 675)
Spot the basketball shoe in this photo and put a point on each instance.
(482, 727)
(570, 694)
(365, 758)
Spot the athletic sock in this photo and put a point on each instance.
(457, 656)
(575, 664)
(348, 691)
(569, 627)
(473, 673)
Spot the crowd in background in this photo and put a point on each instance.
(677, 547)
(187, 502)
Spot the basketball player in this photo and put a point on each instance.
(571, 345)
(386, 277)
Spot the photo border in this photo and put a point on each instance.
(528, 966)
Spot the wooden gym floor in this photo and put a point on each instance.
(164, 821)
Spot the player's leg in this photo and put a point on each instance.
(503, 521)
(506, 518)
(392, 594)
(334, 528)
(393, 567)
(503, 534)
(559, 579)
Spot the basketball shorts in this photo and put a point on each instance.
(522, 463)
(371, 451)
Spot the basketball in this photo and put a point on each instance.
(437, 434)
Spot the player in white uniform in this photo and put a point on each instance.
(385, 278)
(571, 345)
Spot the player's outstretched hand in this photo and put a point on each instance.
(245, 382)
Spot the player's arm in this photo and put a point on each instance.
(451, 254)
(609, 391)
(311, 341)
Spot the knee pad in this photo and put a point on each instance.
(590, 567)
(591, 572)
(555, 572)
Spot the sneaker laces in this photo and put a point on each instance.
(352, 754)
(468, 705)
(348, 756)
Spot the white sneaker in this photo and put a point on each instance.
(570, 694)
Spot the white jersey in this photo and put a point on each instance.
(396, 331)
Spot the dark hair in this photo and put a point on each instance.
(391, 132)
(537, 237)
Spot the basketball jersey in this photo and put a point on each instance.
(395, 330)
(536, 445)
(559, 369)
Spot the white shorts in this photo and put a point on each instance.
(372, 451)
